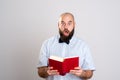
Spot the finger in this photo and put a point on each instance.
(50, 67)
(72, 71)
(53, 72)
(77, 68)
(76, 72)
(79, 71)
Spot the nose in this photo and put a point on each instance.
(66, 26)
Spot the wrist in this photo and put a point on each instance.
(42, 71)
(82, 74)
(86, 74)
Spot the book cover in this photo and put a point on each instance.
(63, 65)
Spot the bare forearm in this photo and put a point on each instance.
(86, 74)
(42, 71)
(45, 71)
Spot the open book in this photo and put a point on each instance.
(63, 65)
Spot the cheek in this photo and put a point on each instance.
(70, 28)
(61, 28)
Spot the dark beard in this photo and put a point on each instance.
(66, 38)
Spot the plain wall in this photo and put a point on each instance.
(25, 24)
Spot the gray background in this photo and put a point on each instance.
(25, 24)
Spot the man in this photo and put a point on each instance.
(66, 45)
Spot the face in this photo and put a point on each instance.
(66, 24)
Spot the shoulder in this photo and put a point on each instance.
(83, 45)
(80, 42)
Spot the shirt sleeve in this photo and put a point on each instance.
(88, 63)
(43, 56)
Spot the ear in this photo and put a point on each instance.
(74, 24)
(58, 24)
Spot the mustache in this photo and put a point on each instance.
(66, 30)
(65, 38)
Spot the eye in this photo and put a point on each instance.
(63, 23)
(70, 22)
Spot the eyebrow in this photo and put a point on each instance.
(68, 21)
(62, 21)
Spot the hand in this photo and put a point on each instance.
(77, 71)
(51, 72)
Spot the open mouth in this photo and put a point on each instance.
(66, 31)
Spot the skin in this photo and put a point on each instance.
(66, 24)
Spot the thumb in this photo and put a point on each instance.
(77, 68)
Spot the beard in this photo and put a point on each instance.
(66, 38)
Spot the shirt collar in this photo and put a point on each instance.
(70, 41)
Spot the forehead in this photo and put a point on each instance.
(66, 18)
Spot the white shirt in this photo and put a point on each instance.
(76, 47)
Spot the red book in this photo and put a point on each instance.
(63, 65)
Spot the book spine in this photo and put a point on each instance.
(70, 64)
(64, 67)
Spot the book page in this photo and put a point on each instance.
(57, 58)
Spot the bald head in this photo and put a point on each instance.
(66, 14)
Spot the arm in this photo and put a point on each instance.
(83, 74)
(45, 71)
(86, 74)
(42, 71)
